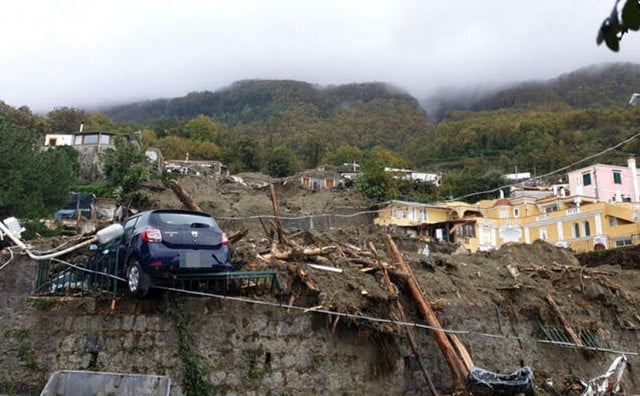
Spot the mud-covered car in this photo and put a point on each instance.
(159, 244)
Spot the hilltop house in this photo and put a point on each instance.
(408, 174)
(91, 146)
(322, 178)
(607, 183)
(598, 217)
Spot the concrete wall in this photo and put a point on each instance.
(254, 349)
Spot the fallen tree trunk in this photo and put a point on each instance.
(276, 213)
(401, 316)
(183, 196)
(455, 363)
(564, 321)
(233, 238)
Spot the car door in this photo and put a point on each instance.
(125, 246)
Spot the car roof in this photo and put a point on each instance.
(185, 211)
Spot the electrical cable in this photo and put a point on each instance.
(360, 316)
(562, 169)
(396, 322)
(10, 259)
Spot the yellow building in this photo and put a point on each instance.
(576, 222)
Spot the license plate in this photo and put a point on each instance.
(195, 260)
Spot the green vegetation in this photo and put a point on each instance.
(282, 127)
(124, 171)
(45, 304)
(34, 182)
(195, 381)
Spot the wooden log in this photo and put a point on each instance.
(320, 251)
(363, 261)
(462, 351)
(454, 361)
(235, 237)
(385, 275)
(266, 232)
(276, 213)
(564, 321)
(183, 196)
(401, 316)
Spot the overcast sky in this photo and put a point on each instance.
(82, 53)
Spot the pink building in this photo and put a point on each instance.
(606, 183)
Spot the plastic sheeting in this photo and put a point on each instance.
(484, 383)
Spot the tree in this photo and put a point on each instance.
(244, 154)
(344, 154)
(98, 122)
(21, 116)
(375, 183)
(34, 182)
(386, 157)
(123, 167)
(472, 183)
(65, 119)
(282, 162)
(313, 149)
(202, 128)
(618, 23)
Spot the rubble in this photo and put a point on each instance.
(353, 271)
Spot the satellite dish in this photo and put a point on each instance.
(634, 99)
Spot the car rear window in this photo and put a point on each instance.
(184, 219)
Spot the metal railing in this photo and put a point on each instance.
(94, 276)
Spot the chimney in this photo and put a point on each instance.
(634, 177)
(81, 125)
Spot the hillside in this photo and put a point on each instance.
(327, 332)
(595, 86)
(251, 101)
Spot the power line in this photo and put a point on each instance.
(363, 317)
(627, 140)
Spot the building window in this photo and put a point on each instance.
(587, 229)
(576, 230)
(516, 212)
(466, 231)
(613, 221)
(543, 234)
(586, 179)
(104, 139)
(551, 209)
(504, 213)
(617, 177)
(623, 242)
(77, 140)
(90, 139)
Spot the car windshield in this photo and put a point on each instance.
(185, 219)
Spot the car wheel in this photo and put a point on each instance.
(137, 279)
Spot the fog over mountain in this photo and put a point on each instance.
(84, 54)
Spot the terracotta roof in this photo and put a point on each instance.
(502, 202)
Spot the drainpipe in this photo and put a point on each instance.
(595, 182)
(634, 177)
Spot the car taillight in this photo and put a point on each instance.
(225, 239)
(151, 235)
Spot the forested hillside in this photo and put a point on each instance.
(594, 86)
(282, 127)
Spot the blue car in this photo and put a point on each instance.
(158, 245)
